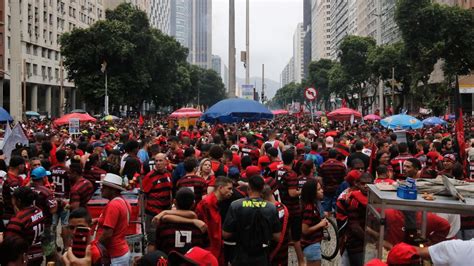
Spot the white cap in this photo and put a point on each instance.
(311, 132)
(322, 130)
(114, 181)
(329, 142)
(234, 147)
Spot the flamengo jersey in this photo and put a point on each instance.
(60, 178)
(29, 225)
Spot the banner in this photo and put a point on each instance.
(74, 126)
(17, 136)
(247, 91)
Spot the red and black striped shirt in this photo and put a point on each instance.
(94, 174)
(179, 237)
(60, 178)
(81, 192)
(397, 164)
(157, 187)
(29, 225)
(281, 256)
(311, 217)
(13, 182)
(287, 179)
(45, 202)
(196, 183)
(332, 172)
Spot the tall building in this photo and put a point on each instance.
(181, 22)
(298, 52)
(159, 13)
(41, 24)
(339, 24)
(217, 64)
(225, 77)
(320, 29)
(288, 74)
(143, 5)
(307, 21)
(201, 46)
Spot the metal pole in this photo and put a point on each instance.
(263, 83)
(231, 48)
(393, 90)
(23, 105)
(61, 88)
(381, 101)
(311, 111)
(15, 57)
(106, 98)
(247, 42)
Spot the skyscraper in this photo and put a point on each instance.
(159, 13)
(181, 23)
(307, 36)
(201, 47)
(298, 52)
(320, 29)
(217, 64)
(339, 24)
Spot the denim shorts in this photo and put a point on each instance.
(313, 252)
(329, 203)
(63, 216)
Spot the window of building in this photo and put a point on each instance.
(8, 42)
(8, 65)
(43, 72)
(50, 73)
(35, 69)
(28, 69)
(56, 73)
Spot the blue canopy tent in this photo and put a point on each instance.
(5, 116)
(401, 121)
(434, 121)
(236, 110)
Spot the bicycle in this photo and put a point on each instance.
(330, 241)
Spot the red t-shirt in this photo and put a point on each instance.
(116, 215)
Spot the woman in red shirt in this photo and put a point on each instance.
(205, 171)
(313, 221)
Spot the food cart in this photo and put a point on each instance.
(380, 201)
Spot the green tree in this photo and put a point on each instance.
(142, 63)
(292, 92)
(354, 51)
(319, 78)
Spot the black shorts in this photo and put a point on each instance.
(294, 225)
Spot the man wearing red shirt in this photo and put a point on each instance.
(114, 220)
(332, 172)
(157, 186)
(81, 190)
(60, 180)
(12, 182)
(175, 153)
(289, 193)
(216, 153)
(196, 183)
(397, 162)
(208, 211)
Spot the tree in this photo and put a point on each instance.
(210, 86)
(319, 78)
(340, 84)
(142, 63)
(292, 92)
(354, 51)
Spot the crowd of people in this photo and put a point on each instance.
(231, 194)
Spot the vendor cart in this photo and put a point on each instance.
(381, 203)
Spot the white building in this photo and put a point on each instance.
(321, 29)
(298, 52)
(288, 74)
(339, 24)
(159, 13)
(41, 25)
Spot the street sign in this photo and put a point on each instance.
(247, 91)
(310, 94)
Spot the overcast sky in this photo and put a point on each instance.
(272, 24)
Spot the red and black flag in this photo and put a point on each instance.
(459, 124)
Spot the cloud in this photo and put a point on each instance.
(272, 24)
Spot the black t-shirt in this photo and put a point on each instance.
(239, 215)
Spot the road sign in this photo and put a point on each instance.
(310, 94)
(247, 91)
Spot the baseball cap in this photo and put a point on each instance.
(263, 159)
(195, 256)
(353, 176)
(39, 173)
(234, 147)
(311, 132)
(243, 140)
(329, 142)
(450, 157)
(153, 259)
(322, 130)
(375, 262)
(403, 253)
(252, 170)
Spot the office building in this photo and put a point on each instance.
(307, 21)
(159, 13)
(288, 74)
(41, 24)
(320, 29)
(201, 46)
(298, 52)
(339, 24)
(181, 23)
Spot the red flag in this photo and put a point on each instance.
(460, 139)
(141, 121)
(344, 103)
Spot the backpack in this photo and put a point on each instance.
(256, 235)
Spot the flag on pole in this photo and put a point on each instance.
(17, 136)
(141, 121)
(460, 126)
(103, 66)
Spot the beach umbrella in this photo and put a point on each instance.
(110, 118)
(236, 110)
(186, 113)
(401, 121)
(344, 113)
(5, 116)
(82, 118)
(433, 121)
(32, 114)
(372, 117)
(280, 112)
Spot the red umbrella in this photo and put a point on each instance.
(372, 117)
(186, 112)
(280, 112)
(82, 118)
(343, 114)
